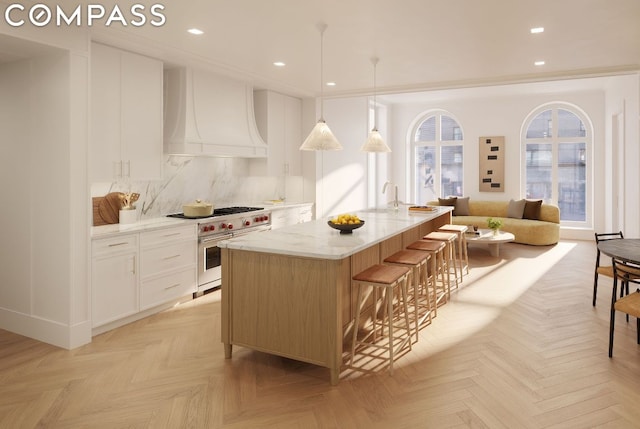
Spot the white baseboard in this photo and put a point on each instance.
(47, 331)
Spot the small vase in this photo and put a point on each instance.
(128, 216)
(496, 231)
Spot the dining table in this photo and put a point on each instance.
(627, 249)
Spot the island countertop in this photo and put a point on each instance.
(316, 239)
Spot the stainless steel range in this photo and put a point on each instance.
(223, 224)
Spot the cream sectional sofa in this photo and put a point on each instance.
(541, 232)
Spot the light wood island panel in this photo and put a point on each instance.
(300, 307)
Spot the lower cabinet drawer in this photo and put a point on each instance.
(160, 290)
(166, 258)
(111, 245)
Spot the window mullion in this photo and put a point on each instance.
(554, 158)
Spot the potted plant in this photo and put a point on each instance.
(494, 225)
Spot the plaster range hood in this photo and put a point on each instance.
(209, 115)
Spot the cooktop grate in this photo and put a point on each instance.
(218, 212)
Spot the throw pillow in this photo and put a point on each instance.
(516, 209)
(450, 201)
(462, 207)
(532, 209)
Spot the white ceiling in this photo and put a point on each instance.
(421, 44)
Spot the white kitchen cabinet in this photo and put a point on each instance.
(134, 274)
(279, 120)
(114, 278)
(126, 115)
(168, 265)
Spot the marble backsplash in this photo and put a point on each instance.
(222, 181)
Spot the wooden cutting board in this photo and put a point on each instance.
(106, 210)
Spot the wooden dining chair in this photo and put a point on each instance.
(606, 270)
(624, 273)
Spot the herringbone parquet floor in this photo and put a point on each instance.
(519, 346)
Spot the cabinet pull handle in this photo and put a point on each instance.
(128, 169)
(172, 257)
(172, 286)
(118, 244)
(133, 264)
(172, 234)
(118, 169)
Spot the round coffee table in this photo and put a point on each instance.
(493, 240)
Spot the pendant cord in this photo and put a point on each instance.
(375, 106)
(322, 27)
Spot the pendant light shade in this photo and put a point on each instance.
(374, 142)
(321, 137)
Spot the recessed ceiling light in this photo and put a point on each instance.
(195, 31)
(331, 84)
(279, 64)
(536, 30)
(538, 63)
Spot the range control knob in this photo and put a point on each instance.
(258, 219)
(212, 228)
(247, 223)
(230, 226)
(266, 217)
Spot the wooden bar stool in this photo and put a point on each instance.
(417, 261)
(385, 277)
(463, 255)
(451, 240)
(437, 251)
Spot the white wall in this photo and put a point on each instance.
(15, 252)
(341, 184)
(622, 157)
(44, 263)
(501, 115)
(309, 176)
(496, 111)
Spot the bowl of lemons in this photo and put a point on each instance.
(345, 223)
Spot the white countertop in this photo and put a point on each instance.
(165, 222)
(316, 239)
(143, 225)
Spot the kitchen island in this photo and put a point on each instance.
(288, 292)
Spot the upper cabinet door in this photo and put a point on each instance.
(141, 109)
(292, 136)
(279, 119)
(126, 115)
(105, 148)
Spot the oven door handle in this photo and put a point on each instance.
(216, 238)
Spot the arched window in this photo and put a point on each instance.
(557, 142)
(437, 157)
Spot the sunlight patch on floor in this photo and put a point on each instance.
(491, 286)
(501, 285)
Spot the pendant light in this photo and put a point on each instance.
(321, 137)
(374, 142)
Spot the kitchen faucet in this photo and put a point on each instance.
(395, 200)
